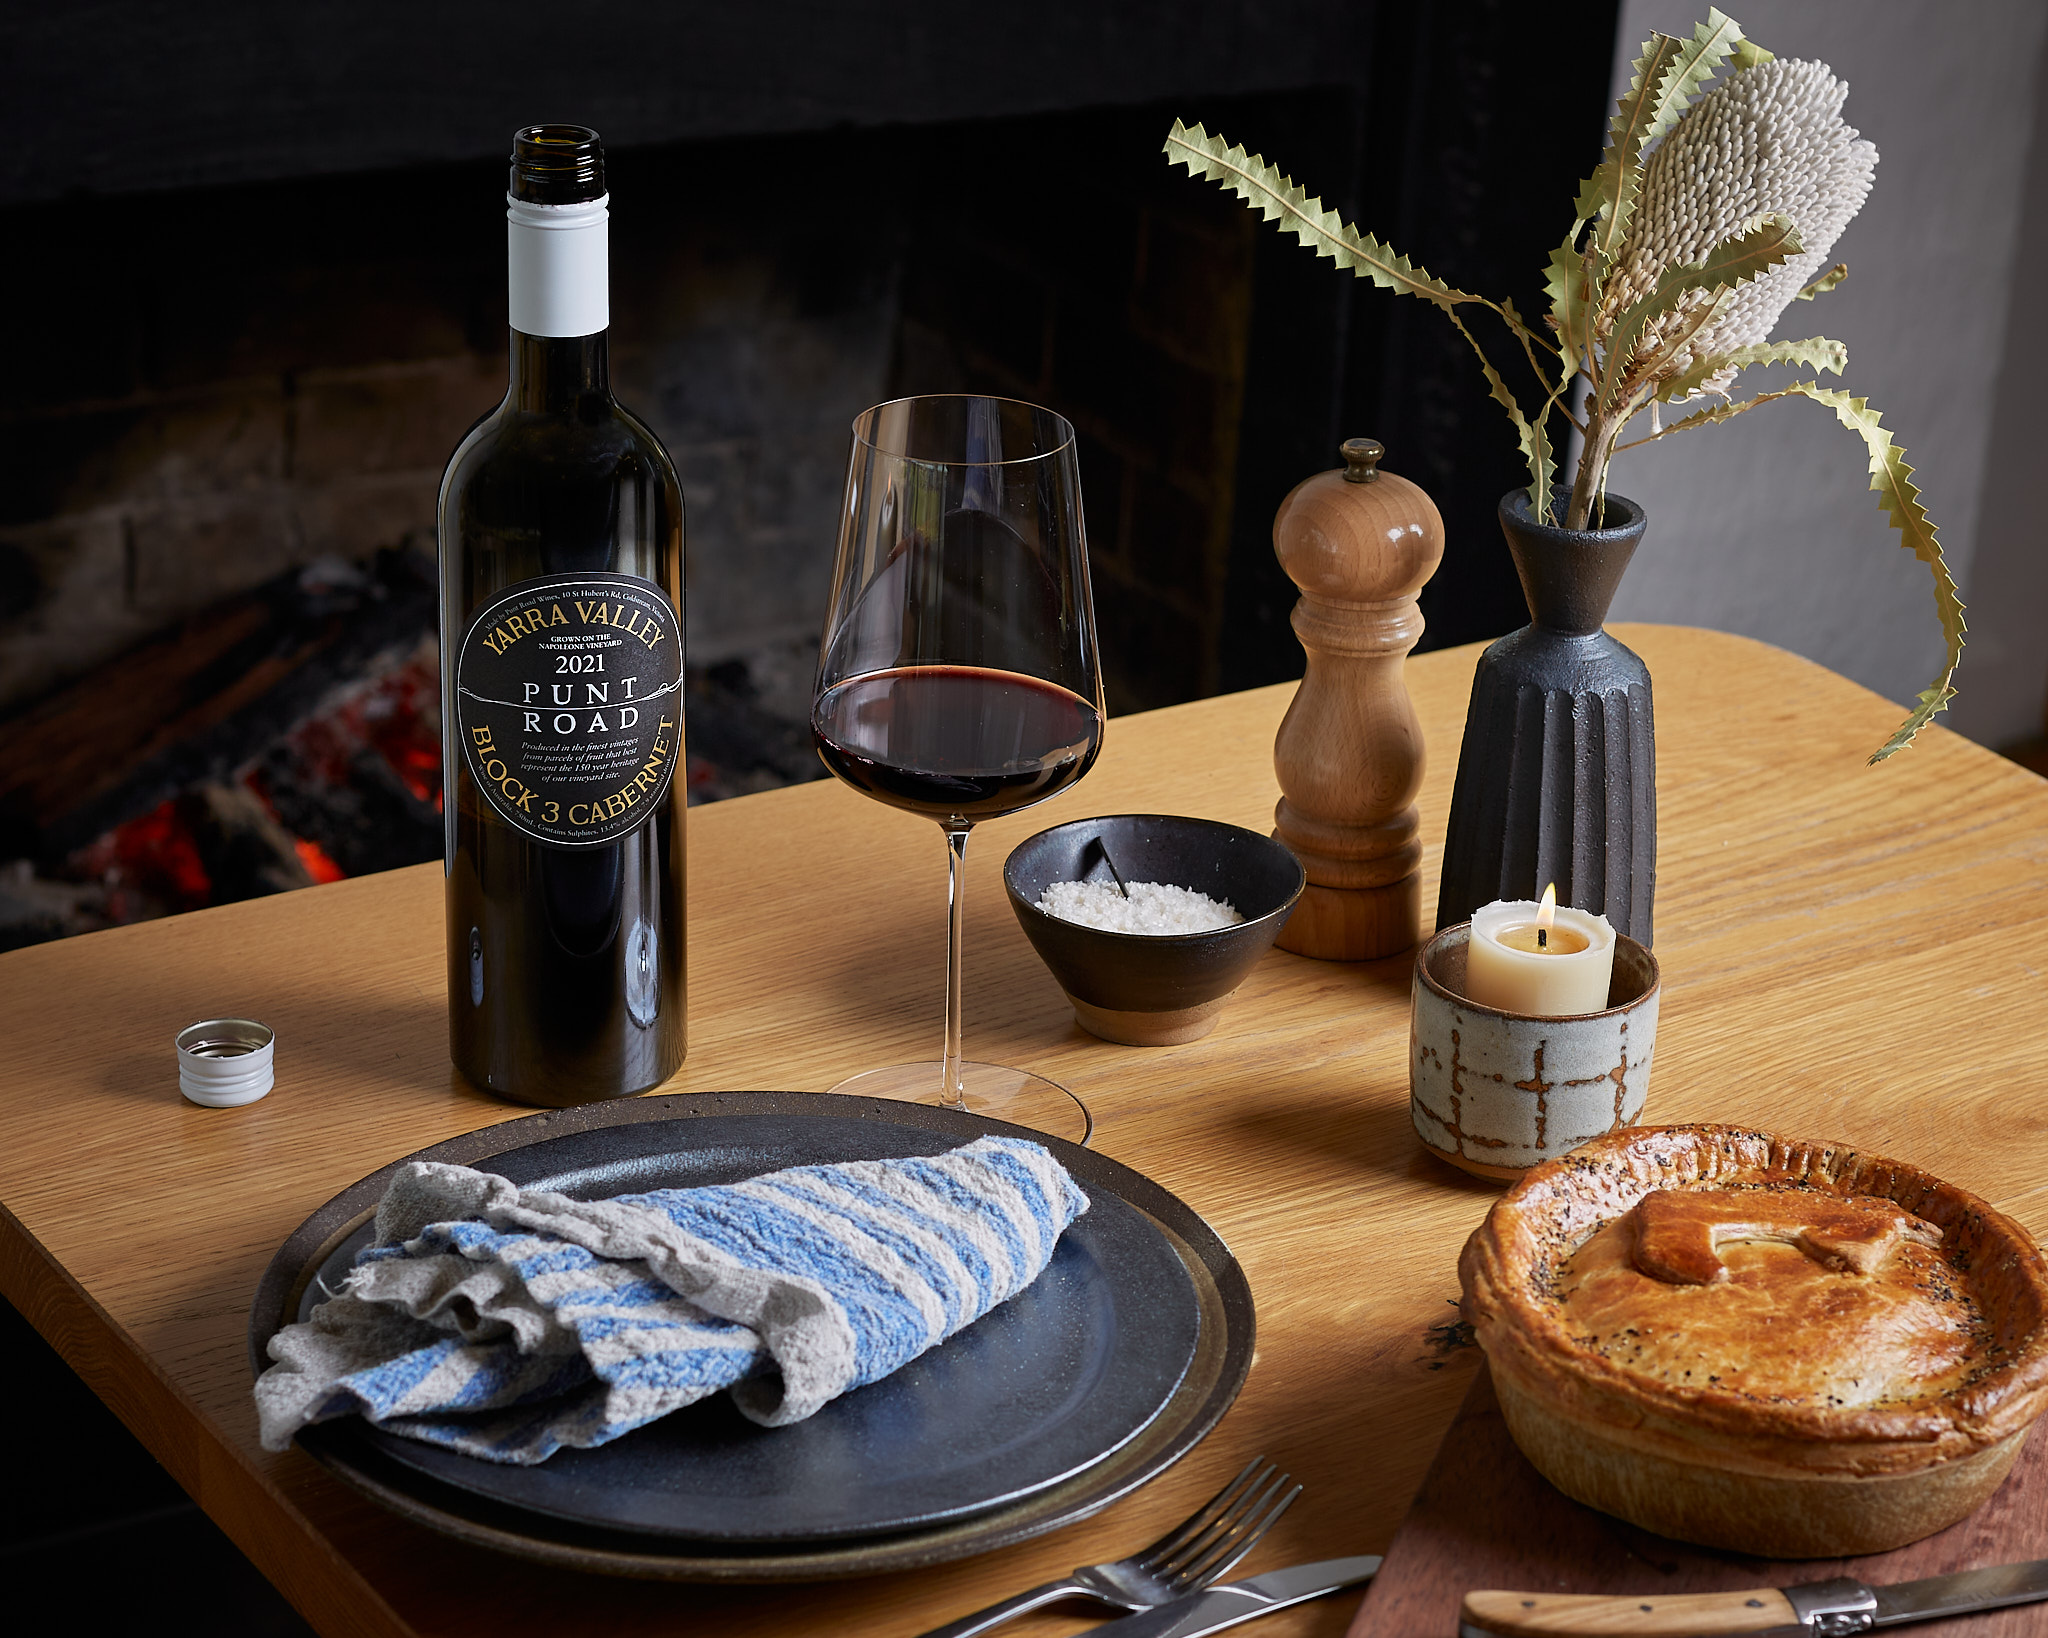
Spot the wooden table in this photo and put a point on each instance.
(1848, 952)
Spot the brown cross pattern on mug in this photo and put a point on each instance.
(1678, 1232)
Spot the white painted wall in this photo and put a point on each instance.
(1765, 525)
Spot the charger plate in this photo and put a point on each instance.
(1096, 1379)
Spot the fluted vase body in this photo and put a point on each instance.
(1557, 776)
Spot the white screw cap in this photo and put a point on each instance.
(225, 1062)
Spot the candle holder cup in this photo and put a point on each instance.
(1495, 1092)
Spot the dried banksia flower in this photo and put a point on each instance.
(1702, 221)
(1768, 139)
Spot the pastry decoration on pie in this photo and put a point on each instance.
(1789, 1349)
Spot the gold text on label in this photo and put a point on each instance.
(518, 794)
(619, 617)
(628, 795)
(516, 626)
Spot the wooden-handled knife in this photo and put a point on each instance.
(1826, 1609)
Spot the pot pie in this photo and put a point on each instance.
(1787, 1349)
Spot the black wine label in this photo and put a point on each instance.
(568, 703)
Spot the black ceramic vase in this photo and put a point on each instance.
(1557, 777)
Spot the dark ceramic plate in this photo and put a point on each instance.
(1095, 1379)
(1046, 1385)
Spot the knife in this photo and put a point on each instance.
(1825, 1609)
(1220, 1607)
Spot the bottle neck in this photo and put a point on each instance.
(559, 375)
(557, 279)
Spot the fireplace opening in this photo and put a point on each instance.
(223, 436)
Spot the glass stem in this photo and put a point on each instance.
(953, 1091)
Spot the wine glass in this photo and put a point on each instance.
(958, 676)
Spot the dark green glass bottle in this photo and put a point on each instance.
(561, 532)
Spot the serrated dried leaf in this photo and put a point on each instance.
(1712, 415)
(1537, 452)
(1278, 199)
(1528, 336)
(1892, 478)
(1666, 76)
(1607, 198)
(1568, 281)
(1532, 438)
(1816, 353)
(1765, 243)
(1748, 55)
(1589, 201)
(1696, 61)
(1826, 282)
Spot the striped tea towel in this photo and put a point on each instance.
(506, 1323)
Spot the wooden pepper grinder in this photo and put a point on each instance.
(1360, 544)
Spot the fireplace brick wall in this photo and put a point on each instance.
(178, 496)
(229, 385)
(207, 405)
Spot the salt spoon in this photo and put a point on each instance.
(1114, 874)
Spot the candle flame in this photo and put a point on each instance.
(1546, 912)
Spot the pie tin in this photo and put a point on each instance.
(225, 1062)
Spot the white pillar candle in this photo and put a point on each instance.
(1564, 973)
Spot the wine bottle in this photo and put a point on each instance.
(561, 529)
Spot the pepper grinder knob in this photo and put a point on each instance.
(1359, 543)
(1361, 459)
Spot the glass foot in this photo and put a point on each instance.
(1014, 1095)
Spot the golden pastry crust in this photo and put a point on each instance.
(1750, 1304)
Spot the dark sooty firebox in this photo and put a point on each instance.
(257, 343)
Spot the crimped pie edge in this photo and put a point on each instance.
(1557, 1205)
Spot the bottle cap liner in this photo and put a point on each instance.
(225, 1062)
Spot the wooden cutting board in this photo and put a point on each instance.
(1485, 1518)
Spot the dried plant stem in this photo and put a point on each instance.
(1602, 431)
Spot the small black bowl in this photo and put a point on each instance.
(1146, 989)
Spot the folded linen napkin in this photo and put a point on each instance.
(506, 1323)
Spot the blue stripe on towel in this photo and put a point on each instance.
(891, 1221)
(888, 1327)
(957, 1191)
(389, 1384)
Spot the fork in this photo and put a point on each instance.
(1183, 1561)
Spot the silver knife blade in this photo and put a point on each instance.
(1220, 1607)
(1961, 1593)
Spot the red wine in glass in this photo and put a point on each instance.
(956, 741)
(958, 677)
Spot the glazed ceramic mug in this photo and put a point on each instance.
(1495, 1092)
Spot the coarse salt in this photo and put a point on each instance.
(1153, 907)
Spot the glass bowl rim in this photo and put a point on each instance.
(1064, 426)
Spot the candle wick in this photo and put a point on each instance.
(1542, 938)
